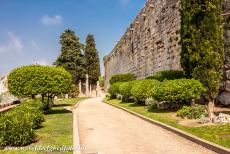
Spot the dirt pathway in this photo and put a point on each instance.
(104, 129)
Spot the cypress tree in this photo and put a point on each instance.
(202, 45)
(92, 60)
(71, 57)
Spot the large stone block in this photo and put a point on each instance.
(224, 98)
(225, 86)
(227, 74)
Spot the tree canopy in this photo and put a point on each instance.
(202, 44)
(35, 79)
(92, 60)
(71, 57)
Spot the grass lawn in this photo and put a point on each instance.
(57, 130)
(219, 134)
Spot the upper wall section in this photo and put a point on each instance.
(150, 43)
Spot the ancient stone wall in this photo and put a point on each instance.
(224, 97)
(150, 44)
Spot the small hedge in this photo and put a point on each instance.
(122, 78)
(168, 75)
(114, 90)
(179, 91)
(143, 89)
(125, 90)
(193, 112)
(17, 126)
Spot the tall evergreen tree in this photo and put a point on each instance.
(202, 45)
(71, 57)
(92, 60)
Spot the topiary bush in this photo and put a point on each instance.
(47, 81)
(17, 126)
(16, 130)
(114, 90)
(34, 110)
(122, 78)
(179, 91)
(143, 89)
(125, 90)
(168, 75)
(193, 112)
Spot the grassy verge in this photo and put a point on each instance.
(219, 134)
(57, 130)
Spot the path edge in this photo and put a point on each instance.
(207, 144)
(76, 137)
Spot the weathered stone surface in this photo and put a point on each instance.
(150, 44)
(225, 86)
(224, 98)
(163, 105)
(227, 74)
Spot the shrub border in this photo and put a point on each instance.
(209, 145)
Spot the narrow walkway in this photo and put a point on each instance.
(104, 129)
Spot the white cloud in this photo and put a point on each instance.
(51, 20)
(34, 44)
(124, 2)
(41, 62)
(13, 44)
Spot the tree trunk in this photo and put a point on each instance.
(42, 98)
(33, 97)
(211, 107)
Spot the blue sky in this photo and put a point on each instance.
(30, 29)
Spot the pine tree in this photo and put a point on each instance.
(92, 60)
(202, 45)
(71, 57)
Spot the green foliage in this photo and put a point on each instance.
(122, 78)
(193, 112)
(74, 91)
(71, 57)
(35, 79)
(92, 61)
(202, 53)
(114, 89)
(143, 89)
(101, 81)
(151, 103)
(17, 125)
(168, 75)
(179, 91)
(125, 90)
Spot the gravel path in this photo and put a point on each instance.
(104, 129)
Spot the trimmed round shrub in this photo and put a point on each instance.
(125, 90)
(114, 90)
(168, 75)
(143, 89)
(33, 80)
(179, 91)
(17, 125)
(122, 78)
(193, 112)
(34, 110)
(16, 129)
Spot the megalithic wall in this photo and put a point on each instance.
(151, 42)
